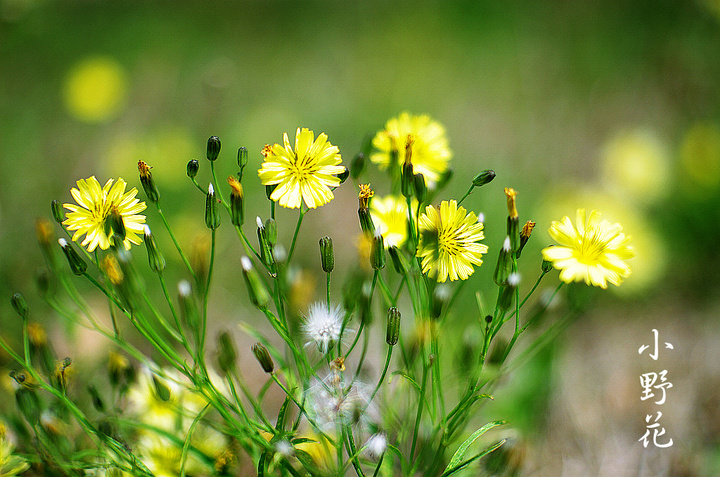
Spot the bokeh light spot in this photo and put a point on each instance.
(95, 89)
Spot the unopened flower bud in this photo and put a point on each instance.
(546, 266)
(364, 301)
(213, 148)
(192, 168)
(28, 402)
(116, 225)
(377, 256)
(155, 258)
(77, 264)
(57, 211)
(440, 298)
(119, 367)
(148, 183)
(112, 270)
(420, 187)
(162, 391)
(485, 177)
(271, 231)
(212, 214)
(357, 166)
(504, 263)
(188, 308)
(242, 157)
(227, 355)
(95, 398)
(407, 178)
(513, 221)
(256, 289)
(327, 257)
(393, 326)
(263, 356)
(508, 291)
(525, 235)
(237, 202)
(398, 259)
(20, 305)
(266, 252)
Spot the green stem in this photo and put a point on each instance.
(303, 210)
(418, 416)
(177, 245)
(466, 194)
(382, 375)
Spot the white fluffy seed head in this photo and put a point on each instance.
(376, 445)
(323, 325)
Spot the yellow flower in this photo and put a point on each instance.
(305, 174)
(592, 250)
(448, 241)
(429, 146)
(390, 217)
(96, 205)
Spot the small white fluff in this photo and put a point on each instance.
(481, 217)
(62, 242)
(259, 222)
(184, 288)
(146, 230)
(376, 445)
(211, 189)
(506, 244)
(323, 325)
(246, 263)
(514, 279)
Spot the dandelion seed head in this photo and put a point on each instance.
(376, 445)
(323, 325)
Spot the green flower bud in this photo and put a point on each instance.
(364, 303)
(357, 166)
(256, 289)
(213, 148)
(148, 183)
(237, 202)
(212, 215)
(377, 256)
(525, 236)
(77, 264)
(266, 252)
(115, 228)
(398, 259)
(162, 391)
(440, 298)
(28, 402)
(242, 157)
(407, 179)
(263, 356)
(57, 211)
(327, 257)
(420, 187)
(227, 355)
(508, 292)
(192, 168)
(485, 177)
(188, 308)
(155, 258)
(366, 222)
(513, 231)
(271, 231)
(504, 264)
(20, 305)
(97, 401)
(393, 326)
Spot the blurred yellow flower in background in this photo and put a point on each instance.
(95, 89)
(651, 260)
(592, 250)
(96, 205)
(430, 153)
(305, 174)
(448, 242)
(636, 164)
(700, 156)
(390, 216)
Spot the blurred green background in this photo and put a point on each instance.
(613, 105)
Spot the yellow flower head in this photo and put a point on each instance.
(96, 204)
(592, 250)
(389, 214)
(304, 174)
(422, 137)
(448, 241)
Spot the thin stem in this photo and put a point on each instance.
(177, 245)
(382, 375)
(303, 210)
(466, 194)
(418, 416)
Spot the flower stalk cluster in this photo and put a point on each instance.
(335, 415)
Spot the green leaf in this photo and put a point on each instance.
(464, 464)
(457, 458)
